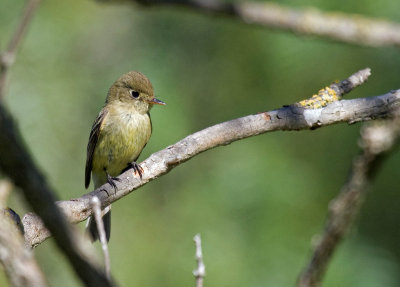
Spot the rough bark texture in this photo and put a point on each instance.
(17, 260)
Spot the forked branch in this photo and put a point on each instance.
(376, 141)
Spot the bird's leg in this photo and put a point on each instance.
(136, 168)
(111, 180)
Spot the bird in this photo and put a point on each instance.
(118, 136)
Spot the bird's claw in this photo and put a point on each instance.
(111, 180)
(137, 169)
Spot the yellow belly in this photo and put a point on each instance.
(122, 138)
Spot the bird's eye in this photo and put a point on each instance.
(134, 94)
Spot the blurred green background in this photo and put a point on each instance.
(258, 202)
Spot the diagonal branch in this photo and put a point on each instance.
(17, 163)
(354, 29)
(376, 141)
(7, 58)
(294, 117)
(19, 264)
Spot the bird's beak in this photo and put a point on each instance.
(155, 101)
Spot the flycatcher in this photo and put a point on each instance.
(118, 136)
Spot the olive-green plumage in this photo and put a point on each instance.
(119, 133)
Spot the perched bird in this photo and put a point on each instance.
(118, 136)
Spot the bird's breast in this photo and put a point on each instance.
(122, 138)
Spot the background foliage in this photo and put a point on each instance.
(257, 203)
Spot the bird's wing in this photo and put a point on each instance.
(93, 138)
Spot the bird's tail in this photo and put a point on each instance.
(91, 226)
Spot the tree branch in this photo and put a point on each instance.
(7, 58)
(293, 117)
(16, 162)
(18, 262)
(200, 272)
(95, 202)
(354, 29)
(376, 141)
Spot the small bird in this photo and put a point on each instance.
(118, 136)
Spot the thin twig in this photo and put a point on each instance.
(290, 117)
(95, 202)
(347, 28)
(376, 141)
(7, 58)
(200, 272)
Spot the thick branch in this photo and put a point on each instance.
(287, 118)
(376, 141)
(354, 29)
(16, 162)
(18, 262)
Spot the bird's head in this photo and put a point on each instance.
(133, 88)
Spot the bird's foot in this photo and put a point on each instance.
(111, 181)
(136, 168)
